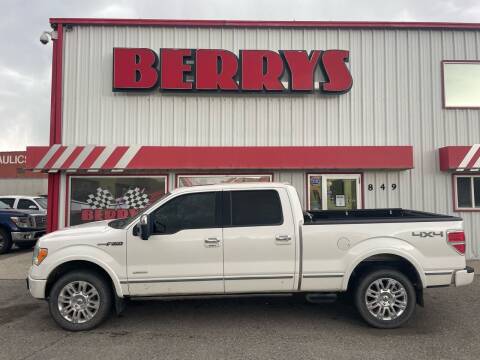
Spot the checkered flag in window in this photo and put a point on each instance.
(135, 199)
(103, 199)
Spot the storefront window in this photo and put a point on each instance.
(461, 84)
(315, 191)
(195, 180)
(342, 194)
(112, 197)
(467, 189)
(333, 192)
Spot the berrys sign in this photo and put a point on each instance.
(137, 69)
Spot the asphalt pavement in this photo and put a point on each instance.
(245, 328)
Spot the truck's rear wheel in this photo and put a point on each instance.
(80, 300)
(385, 298)
(5, 242)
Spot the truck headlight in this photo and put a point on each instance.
(21, 221)
(39, 254)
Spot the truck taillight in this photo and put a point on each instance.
(456, 239)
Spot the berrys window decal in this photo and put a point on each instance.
(95, 198)
(142, 69)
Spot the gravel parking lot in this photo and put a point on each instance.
(258, 328)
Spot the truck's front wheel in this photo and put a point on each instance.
(80, 300)
(5, 242)
(385, 298)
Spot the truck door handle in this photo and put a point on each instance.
(212, 242)
(283, 238)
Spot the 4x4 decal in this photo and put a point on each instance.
(425, 234)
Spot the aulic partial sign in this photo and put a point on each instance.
(142, 69)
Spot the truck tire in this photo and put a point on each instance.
(385, 298)
(5, 241)
(26, 244)
(80, 300)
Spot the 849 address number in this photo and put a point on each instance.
(383, 187)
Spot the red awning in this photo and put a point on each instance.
(460, 158)
(120, 158)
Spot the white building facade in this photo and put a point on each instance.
(354, 115)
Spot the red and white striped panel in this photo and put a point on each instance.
(73, 158)
(119, 158)
(460, 158)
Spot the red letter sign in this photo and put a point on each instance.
(301, 67)
(215, 69)
(134, 69)
(339, 77)
(261, 69)
(173, 69)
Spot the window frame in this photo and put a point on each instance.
(456, 208)
(218, 212)
(28, 208)
(68, 189)
(178, 176)
(444, 99)
(227, 210)
(328, 175)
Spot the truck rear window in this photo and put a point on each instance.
(255, 208)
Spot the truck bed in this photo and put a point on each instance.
(394, 215)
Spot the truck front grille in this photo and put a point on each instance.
(38, 221)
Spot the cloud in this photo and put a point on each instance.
(116, 11)
(25, 64)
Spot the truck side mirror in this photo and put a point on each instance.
(144, 225)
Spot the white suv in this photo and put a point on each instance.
(25, 202)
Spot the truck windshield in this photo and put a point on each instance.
(42, 202)
(123, 223)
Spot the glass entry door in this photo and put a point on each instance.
(334, 192)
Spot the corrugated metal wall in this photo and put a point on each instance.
(17, 186)
(395, 100)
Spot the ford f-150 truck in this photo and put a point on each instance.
(248, 239)
(19, 227)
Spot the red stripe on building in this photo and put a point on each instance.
(274, 157)
(72, 157)
(54, 158)
(115, 157)
(474, 160)
(254, 157)
(452, 156)
(88, 162)
(266, 24)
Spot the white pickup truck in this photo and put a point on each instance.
(248, 239)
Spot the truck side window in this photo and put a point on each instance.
(256, 208)
(189, 211)
(8, 201)
(25, 204)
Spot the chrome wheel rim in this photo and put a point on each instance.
(2, 241)
(78, 302)
(386, 299)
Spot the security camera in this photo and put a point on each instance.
(45, 37)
